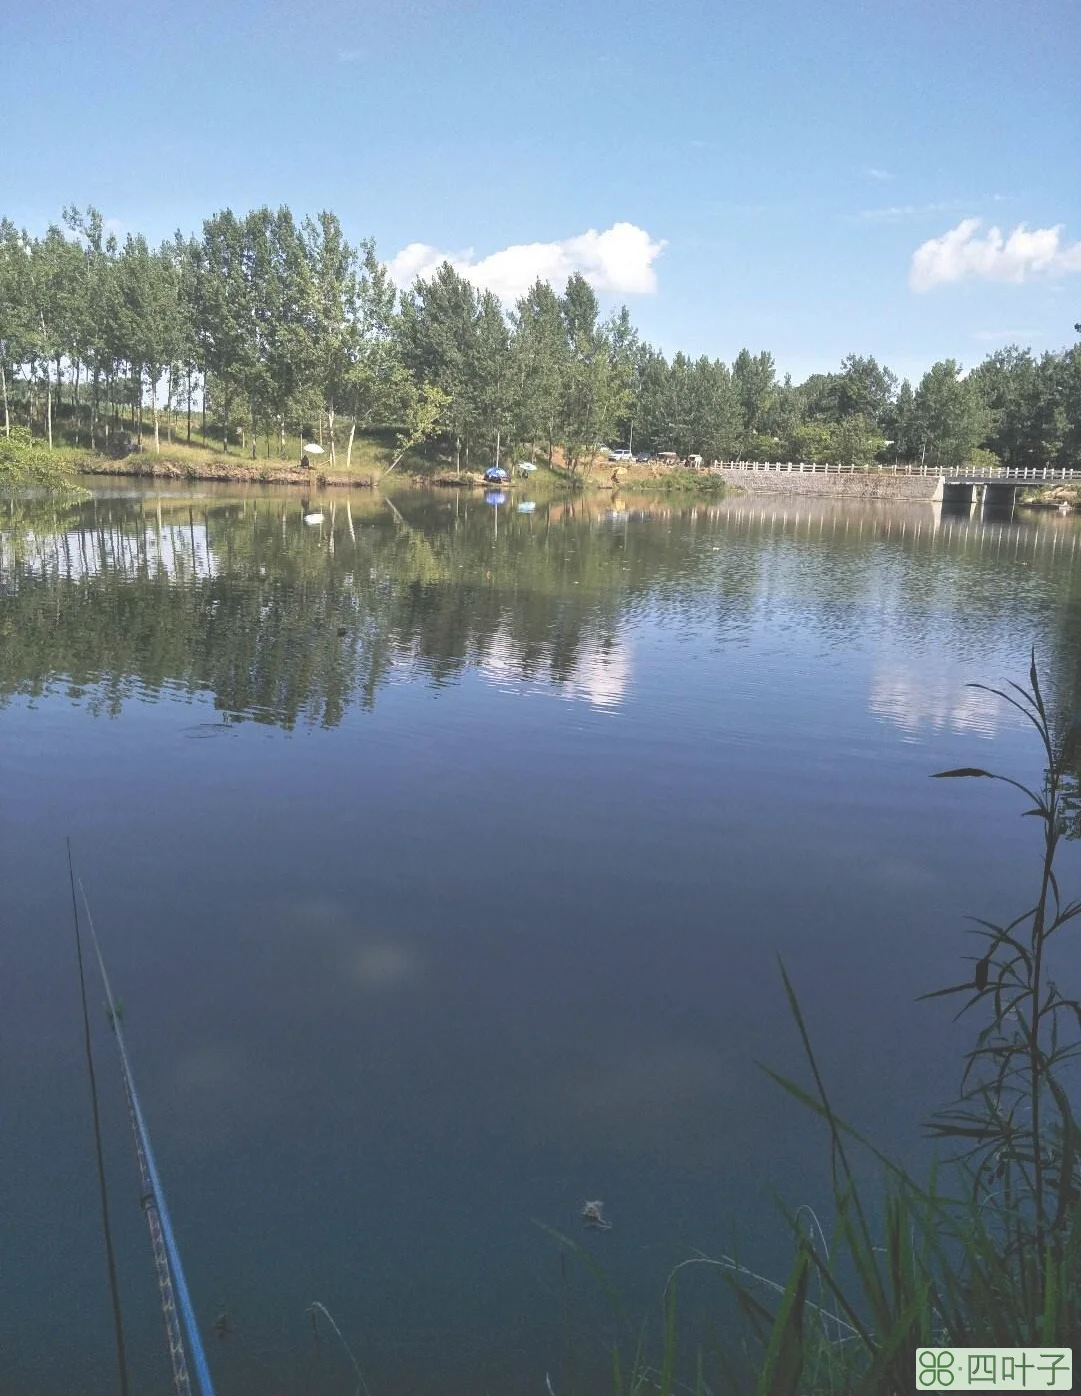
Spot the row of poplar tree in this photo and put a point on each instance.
(267, 327)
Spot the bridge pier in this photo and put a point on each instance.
(975, 494)
(999, 496)
(959, 493)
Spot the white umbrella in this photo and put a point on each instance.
(313, 449)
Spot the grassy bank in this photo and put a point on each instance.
(668, 481)
(197, 463)
(184, 453)
(190, 463)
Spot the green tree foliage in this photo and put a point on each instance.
(490, 371)
(862, 388)
(438, 334)
(269, 326)
(375, 381)
(1033, 405)
(14, 311)
(539, 363)
(25, 462)
(755, 379)
(585, 388)
(853, 441)
(950, 416)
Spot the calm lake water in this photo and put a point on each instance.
(442, 855)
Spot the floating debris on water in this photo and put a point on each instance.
(225, 1323)
(593, 1216)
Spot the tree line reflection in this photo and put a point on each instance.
(286, 621)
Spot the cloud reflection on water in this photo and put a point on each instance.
(601, 676)
(912, 699)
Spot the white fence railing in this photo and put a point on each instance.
(994, 472)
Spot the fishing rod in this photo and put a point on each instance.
(103, 1194)
(176, 1306)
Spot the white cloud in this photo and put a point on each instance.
(619, 260)
(1005, 336)
(874, 173)
(960, 254)
(887, 215)
(898, 211)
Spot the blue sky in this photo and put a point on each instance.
(790, 156)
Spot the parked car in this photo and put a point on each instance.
(643, 458)
(620, 455)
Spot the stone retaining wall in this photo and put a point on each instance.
(869, 485)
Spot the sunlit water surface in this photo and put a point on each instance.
(442, 855)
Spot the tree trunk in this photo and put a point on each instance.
(75, 397)
(457, 455)
(49, 406)
(4, 385)
(349, 453)
(189, 406)
(281, 438)
(330, 428)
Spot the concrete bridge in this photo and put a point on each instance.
(994, 486)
